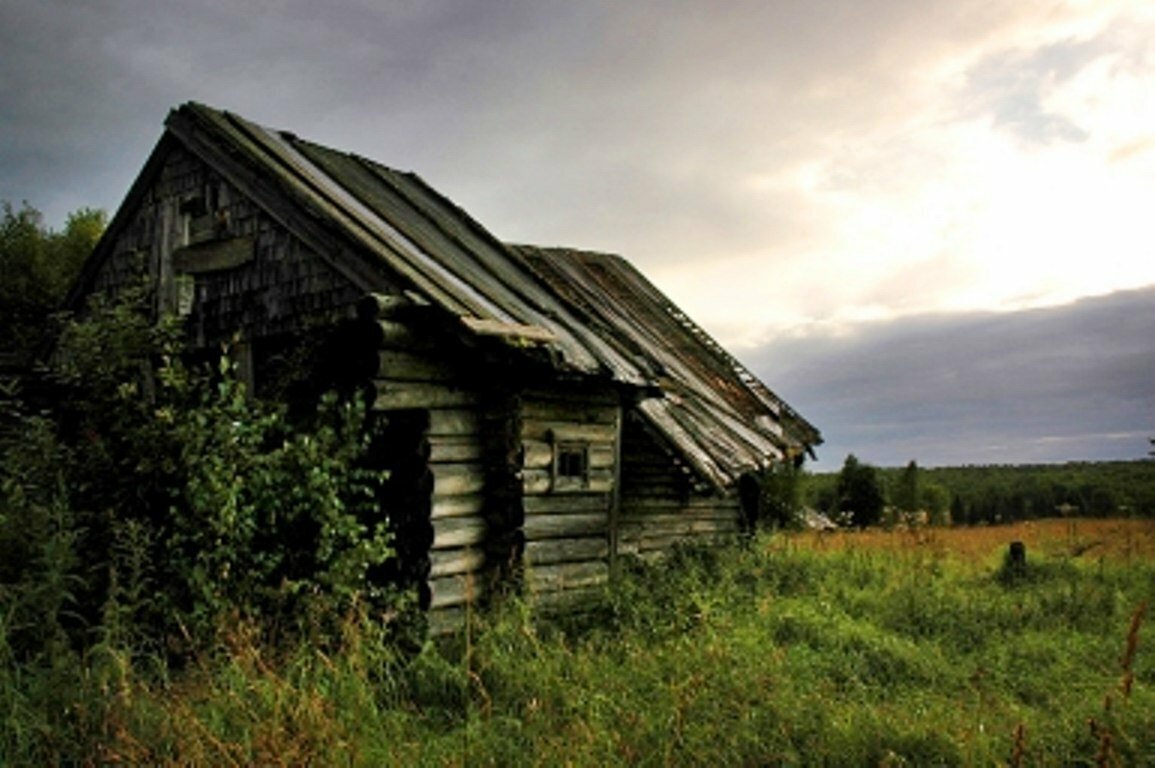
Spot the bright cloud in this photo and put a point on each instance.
(1011, 170)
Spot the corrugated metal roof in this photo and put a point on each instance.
(718, 415)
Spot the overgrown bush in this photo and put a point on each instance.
(163, 500)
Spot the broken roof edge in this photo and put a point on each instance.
(798, 429)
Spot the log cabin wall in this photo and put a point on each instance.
(442, 537)
(660, 504)
(570, 442)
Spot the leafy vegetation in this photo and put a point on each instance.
(38, 265)
(187, 576)
(160, 503)
(840, 649)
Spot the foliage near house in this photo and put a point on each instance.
(159, 502)
(38, 264)
(839, 649)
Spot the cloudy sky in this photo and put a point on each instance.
(885, 206)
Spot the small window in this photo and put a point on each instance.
(571, 467)
(572, 460)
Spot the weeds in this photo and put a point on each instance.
(770, 654)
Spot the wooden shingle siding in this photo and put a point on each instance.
(279, 287)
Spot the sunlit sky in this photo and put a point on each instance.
(783, 170)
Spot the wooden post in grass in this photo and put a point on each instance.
(1017, 557)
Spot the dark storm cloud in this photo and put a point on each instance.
(84, 87)
(1066, 383)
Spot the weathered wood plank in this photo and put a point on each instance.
(400, 365)
(520, 331)
(652, 543)
(455, 590)
(447, 620)
(644, 507)
(541, 481)
(569, 411)
(453, 532)
(566, 600)
(383, 305)
(457, 479)
(566, 504)
(553, 578)
(538, 527)
(395, 335)
(532, 429)
(403, 395)
(450, 562)
(676, 527)
(213, 256)
(598, 396)
(457, 506)
(444, 450)
(539, 453)
(453, 421)
(545, 552)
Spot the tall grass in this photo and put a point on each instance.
(792, 650)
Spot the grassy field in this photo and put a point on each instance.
(857, 648)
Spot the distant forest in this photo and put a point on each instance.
(973, 495)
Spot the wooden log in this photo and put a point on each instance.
(395, 335)
(405, 395)
(454, 449)
(666, 543)
(453, 421)
(455, 590)
(453, 532)
(539, 454)
(553, 578)
(673, 525)
(457, 479)
(577, 397)
(447, 620)
(641, 506)
(213, 256)
(457, 506)
(566, 600)
(540, 481)
(533, 429)
(383, 305)
(549, 551)
(450, 562)
(399, 365)
(566, 504)
(565, 526)
(547, 410)
(678, 515)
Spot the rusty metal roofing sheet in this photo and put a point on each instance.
(720, 417)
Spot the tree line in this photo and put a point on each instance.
(982, 494)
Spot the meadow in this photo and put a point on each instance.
(904, 647)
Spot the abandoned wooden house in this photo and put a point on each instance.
(544, 407)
